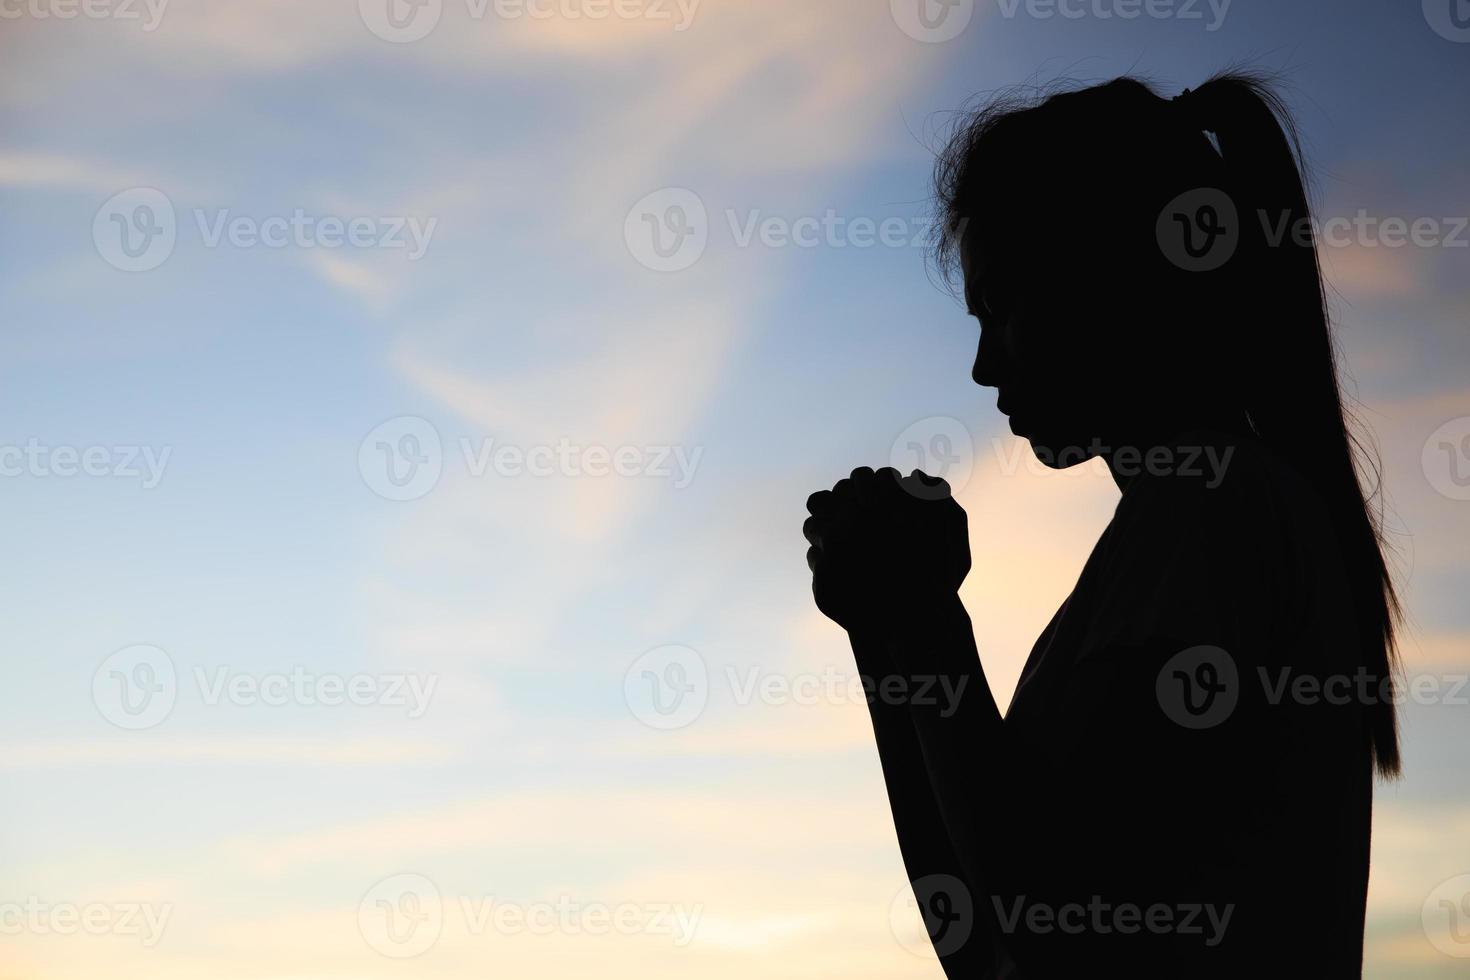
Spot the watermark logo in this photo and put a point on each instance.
(939, 691)
(667, 687)
(135, 230)
(932, 21)
(1446, 459)
(150, 12)
(402, 459)
(401, 21)
(136, 687)
(37, 459)
(1121, 10)
(1199, 230)
(1101, 917)
(303, 230)
(1446, 917)
(401, 916)
(569, 916)
(940, 446)
(301, 687)
(932, 915)
(1208, 464)
(404, 915)
(1365, 230)
(405, 21)
(1362, 687)
(1450, 19)
(37, 917)
(570, 459)
(668, 230)
(828, 230)
(1198, 688)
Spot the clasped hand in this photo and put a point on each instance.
(884, 547)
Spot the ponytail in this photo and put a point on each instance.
(1293, 398)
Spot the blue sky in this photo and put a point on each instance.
(527, 150)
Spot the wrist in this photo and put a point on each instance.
(916, 615)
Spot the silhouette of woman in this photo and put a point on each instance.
(1182, 785)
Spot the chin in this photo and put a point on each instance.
(1057, 453)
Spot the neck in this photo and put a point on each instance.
(1158, 445)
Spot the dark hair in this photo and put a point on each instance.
(1130, 153)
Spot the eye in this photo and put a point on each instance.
(980, 309)
(986, 303)
(992, 307)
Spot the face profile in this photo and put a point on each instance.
(1030, 351)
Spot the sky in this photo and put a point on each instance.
(406, 418)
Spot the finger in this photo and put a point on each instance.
(811, 529)
(887, 481)
(864, 484)
(813, 558)
(927, 487)
(819, 503)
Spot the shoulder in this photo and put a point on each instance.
(1211, 535)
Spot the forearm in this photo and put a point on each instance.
(923, 835)
(958, 729)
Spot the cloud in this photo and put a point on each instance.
(56, 170)
(244, 750)
(528, 821)
(1363, 272)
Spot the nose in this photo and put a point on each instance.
(990, 360)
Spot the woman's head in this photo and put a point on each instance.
(1138, 269)
(1051, 212)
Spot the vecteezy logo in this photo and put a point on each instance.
(1450, 19)
(401, 916)
(1199, 230)
(1446, 458)
(1199, 687)
(933, 915)
(135, 230)
(940, 446)
(932, 21)
(667, 231)
(402, 458)
(135, 687)
(667, 687)
(400, 21)
(1446, 916)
